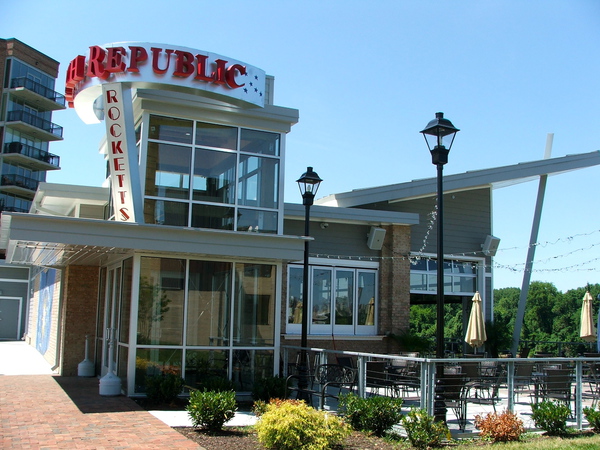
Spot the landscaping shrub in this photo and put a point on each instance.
(293, 425)
(593, 417)
(163, 388)
(269, 387)
(211, 409)
(551, 416)
(503, 427)
(422, 429)
(372, 414)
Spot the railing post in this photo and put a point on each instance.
(510, 382)
(578, 392)
(362, 376)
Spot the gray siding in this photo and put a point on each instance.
(467, 221)
(336, 240)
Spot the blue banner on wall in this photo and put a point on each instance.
(44, 323)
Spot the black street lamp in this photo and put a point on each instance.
(309, 184)
(439, 135)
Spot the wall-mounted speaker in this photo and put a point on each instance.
(375, 238)
(490, 246)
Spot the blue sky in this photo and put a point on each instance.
(366, 77)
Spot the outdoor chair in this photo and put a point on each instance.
(592, 379)
(557, 385)
(524, 381)
(328, 381)
(377, 377)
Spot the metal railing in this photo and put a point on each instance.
(19, 181)
(584, 391)
(39, 89)
(32, 152)
(35, 121)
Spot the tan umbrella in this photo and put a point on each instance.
(586, 331)
(476, 336)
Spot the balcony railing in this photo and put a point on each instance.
(19, 181)
(39, 89)
(35, 121)
(17, 148)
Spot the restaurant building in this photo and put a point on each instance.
(189, 261)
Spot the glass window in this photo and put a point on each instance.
(344, 297)
(209, 216)
(366, 298)
(257, 221)
(161, 212)
(168, 171)
(161, 298)
(321, 296)
(153, 361)
(170, 129)
(218, 136)
(214, 176)
(201, 365)
(250, 365)
(126, 300)
(258, 181)
(254, 305)
(209, 297)
(254, 141)
(295, 279)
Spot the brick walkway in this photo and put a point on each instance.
(50, 412)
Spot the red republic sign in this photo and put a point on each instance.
(160, 66)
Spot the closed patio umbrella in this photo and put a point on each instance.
(586, 331)
(476, 336)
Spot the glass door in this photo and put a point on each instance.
(111, 320)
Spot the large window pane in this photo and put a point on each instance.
(262, 142)
(321, 297)
(257, 221)
(161, 212)
(254, 305)
(126, 300)
(295, 280)
(366, 298)
(214, 176)
(219, 136)
(251, 365)
(202, 365)
(170, 129)
(168, 170)
(208, 303)
(153, 361)
(208, 216)
(344, 297)
(258, 181)
(162, 289)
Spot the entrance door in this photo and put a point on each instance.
(10, 318)
(111, 320)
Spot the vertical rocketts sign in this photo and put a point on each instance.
(120, 141)
(99, 85)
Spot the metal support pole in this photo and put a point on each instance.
(303, 366)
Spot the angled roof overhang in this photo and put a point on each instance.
(493, 178)
(49, 241)
(353, 216)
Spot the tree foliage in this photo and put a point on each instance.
(550, 315)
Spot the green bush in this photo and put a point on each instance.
(593, 417)
(551, 416)
(269, 387)
(293, 425)
(373, 414)
(163, 388)
(211, 409)
(422, 429)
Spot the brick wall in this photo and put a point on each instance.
(80, 298)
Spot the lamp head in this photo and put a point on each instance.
(439, 135)
(309, 184)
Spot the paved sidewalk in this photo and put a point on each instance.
(44, 411)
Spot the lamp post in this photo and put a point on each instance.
(309, 184)
(439, 135)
